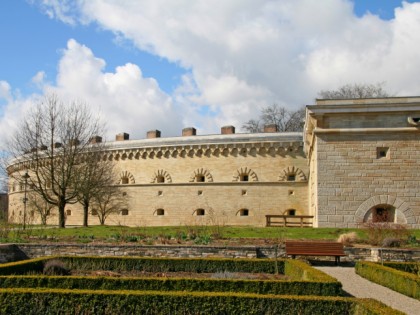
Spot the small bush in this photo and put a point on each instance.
(55, 267)
(348, 238)
(391, 242)
(378, 231)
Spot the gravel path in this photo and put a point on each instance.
(362, 288)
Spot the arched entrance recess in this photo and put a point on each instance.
(385, 207)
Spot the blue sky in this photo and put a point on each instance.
(172, 64)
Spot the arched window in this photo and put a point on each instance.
(245, 174)
(160, 179)
(200, 212)
(290, 212)
(124, 180)
(160, 212)
(200, 178)
(243, 212)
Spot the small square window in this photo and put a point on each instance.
(160, 193)
(124, 193)
(200, 179)
(68, 212)
(124, 212)
(94, 212)
(382, 153)
(160, 179)
(291, 178)
(291, 192)
(244, 178)
(160, 212)
(243, 192)
(200, 192)
(244, 212)
(124, 180)
(200, 212)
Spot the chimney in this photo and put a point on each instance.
(228, 130)
(95, 139)
(153, 134)
(189, 132)
(270, 128)
(74, 142)
(122, 136)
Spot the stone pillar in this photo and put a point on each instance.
(270, 128)
(189, 132)
(228, 130)
(122, 136)
(153, 134)
(95, 139)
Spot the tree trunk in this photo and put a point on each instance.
(61, 214)
(85, 213)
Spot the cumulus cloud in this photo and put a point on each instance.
(128, 101)
(240, 55)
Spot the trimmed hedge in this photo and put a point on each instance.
(403, 282)
(308, 281)
(36, 301)
(411, 267)
(23, 267)
(174, 284)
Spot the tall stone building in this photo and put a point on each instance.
(356, 161)
(364, 159)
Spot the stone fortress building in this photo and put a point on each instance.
(357, 160)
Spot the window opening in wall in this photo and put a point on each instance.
(382, 214)
(160, 193)
(200, 192)
(160, 212)
(291, 192)
(124, 180)
(291, 212)
(124, 193)
(200, 178)
(244, 212)
(68, 212)
(243, 192)
(124, 212)
(244, 178)
(291, 178)
(200, 212)
(382, 153)
(94, 212)
(160, 179)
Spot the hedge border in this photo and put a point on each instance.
(36, 301)
(400, 281)
(311, 281)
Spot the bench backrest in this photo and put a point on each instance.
(295, 247)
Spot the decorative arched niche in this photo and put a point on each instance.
(385, 208)
(201, 175)
(126, 178)
(245, 174)
(161, 177)
(292, 174)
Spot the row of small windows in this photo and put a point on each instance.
(161, 212)
(243, 192)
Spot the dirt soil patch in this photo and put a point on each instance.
(187, 275)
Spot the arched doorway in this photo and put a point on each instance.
(380, 213)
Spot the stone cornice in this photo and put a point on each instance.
(366, 130)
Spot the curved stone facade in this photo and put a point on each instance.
(227, 179)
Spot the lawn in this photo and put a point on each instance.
(200, 235)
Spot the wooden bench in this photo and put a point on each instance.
(302, 248)
(289, 220)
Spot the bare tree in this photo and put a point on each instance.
(49, 146)
(355, 91)
(286, 120)
(41, 207)
(95, 178)
(110, 200)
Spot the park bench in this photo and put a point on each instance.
(315, 248)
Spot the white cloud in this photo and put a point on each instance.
(127, 100)
(241, 54)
